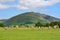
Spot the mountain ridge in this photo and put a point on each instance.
(30, 18)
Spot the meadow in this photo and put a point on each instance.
(29, 34)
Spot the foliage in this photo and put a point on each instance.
(47, 24)
(59, 24)
(1, 25)
(38, 24)
(52, 24)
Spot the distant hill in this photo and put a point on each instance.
(2, 20)
(30, 18)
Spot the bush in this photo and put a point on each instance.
(47, 24)
(38, 24)
(55, 23)
(1, 25)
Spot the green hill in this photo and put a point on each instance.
(2, 20)
(30, 18)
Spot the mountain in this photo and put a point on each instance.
(2, 20)
(30, 18)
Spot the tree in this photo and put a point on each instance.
(1, 25)
(55, 23)
(38, 24)
(47, 24)
(59, 24)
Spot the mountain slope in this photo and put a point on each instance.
(2, 20)
(30, 18)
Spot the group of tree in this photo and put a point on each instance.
(39, 24)
(1, 25)
(52, 24)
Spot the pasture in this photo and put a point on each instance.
(29, 34)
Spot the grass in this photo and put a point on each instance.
(29, 34)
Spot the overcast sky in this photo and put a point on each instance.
(10, 8)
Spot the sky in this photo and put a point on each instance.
(10, 8)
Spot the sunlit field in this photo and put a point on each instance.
(29, 34)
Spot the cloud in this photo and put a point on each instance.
(22, 8)
(28, 4)
(2, 6)
(7, 0)
(37, 3)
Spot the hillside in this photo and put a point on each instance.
(30, 18)
(2, 20)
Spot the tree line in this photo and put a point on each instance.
(39, 24)
(52, 24)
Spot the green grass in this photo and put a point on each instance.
(30, 34)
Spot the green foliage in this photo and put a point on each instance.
(38, 24)
(1, 25)
(52, 24)
(47, 24)
(55, 23)
(59, 24)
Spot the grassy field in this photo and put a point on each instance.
(29, 34)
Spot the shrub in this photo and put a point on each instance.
(38, 24)
(1, 25)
